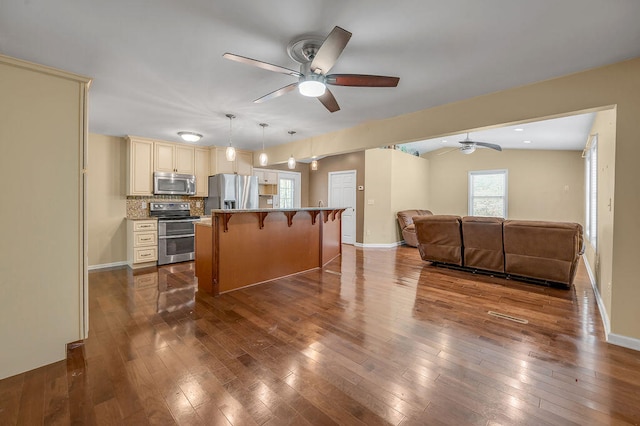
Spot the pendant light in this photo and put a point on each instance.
(263, 159)
(230, 153)
(291, 163)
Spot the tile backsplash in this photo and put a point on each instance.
(135, 209)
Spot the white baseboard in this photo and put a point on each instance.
(604, 315)
(106, 265)
(614, 339)
(389, 245)
(624, 341)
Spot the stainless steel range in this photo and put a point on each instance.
(176, 234)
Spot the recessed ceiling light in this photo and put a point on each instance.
(443, 141)
(526, 141)
(190, 136)
(519, 129)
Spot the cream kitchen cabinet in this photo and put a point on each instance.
(174, 158)
(202, 172)
(242, 165)
(266, 177)
(142, 242)
(139, 166)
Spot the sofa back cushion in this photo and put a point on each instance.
(439, 238)
(483, 243)
(542, 250)
(405, 217)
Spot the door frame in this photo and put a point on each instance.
(355, 196)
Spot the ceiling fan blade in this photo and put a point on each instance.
(446, 152)
(329, 101)
(331, 48)
(362, 80)
(276, 93)
(264, 65)
(489, 145)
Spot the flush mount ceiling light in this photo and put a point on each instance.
(526, 141)
(263, 159)
(291, 162)
(190, 136)
(230, 153)
(519, 129)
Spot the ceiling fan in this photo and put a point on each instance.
(469, 146)
(316, 57)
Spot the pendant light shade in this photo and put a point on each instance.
(230, 153)
(263, 159)
(291, 162)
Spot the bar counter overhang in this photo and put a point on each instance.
(240, 248)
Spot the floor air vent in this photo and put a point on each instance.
(508, 317)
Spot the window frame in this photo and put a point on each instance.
(471, 197)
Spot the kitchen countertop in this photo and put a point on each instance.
(269, 210)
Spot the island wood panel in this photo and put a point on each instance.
(331, 236)
(204, 254)
(249, 255)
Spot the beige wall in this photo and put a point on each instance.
(42, 144)
(106, 200)
(396, 181)
(601, 261)
(542, 185)
(319, 182)
(596, 89)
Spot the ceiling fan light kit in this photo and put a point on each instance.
(316, 57)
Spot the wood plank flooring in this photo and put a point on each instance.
(377, 337)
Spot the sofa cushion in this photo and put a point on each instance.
(483, 243)
(439, 238)
(542, 250)
(405, 217)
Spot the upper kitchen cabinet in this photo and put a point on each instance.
(202, 172)
(139, 166)
(242, 165)
(174, 158)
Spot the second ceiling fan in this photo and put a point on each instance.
(316, 58)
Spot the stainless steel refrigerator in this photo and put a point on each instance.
(227, 191)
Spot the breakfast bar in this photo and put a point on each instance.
(240, 248)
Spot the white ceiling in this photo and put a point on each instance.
(566, 133)
(158, 69)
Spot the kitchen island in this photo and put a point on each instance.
(240, 248)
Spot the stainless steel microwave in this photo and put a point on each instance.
(173, 184)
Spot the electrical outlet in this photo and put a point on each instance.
(198, 203)
(368, 231)
(371, 202)
(143, 204)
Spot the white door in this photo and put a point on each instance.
(288, 190)
(342, 193)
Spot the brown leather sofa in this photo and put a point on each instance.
(405, 220)
(538, 251)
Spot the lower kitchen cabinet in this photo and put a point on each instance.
(142, 242)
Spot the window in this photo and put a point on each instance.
(488, 193)
(286, 193)
(591, 177)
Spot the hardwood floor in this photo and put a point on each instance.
(377, 337)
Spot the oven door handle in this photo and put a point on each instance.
(178, 220)
(164, 237)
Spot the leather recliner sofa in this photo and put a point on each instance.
(405, 220)
(538, 251)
